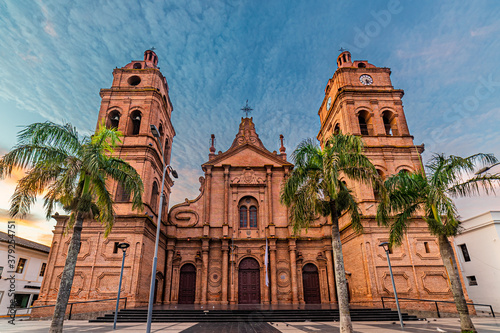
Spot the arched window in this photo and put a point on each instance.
(389, 123)
(363, 126)
(121, 194)
(137, 65)
(113, 119)
(154, 196)
(243, 217)
(253, 217)
(365, 123)
(136, 123)
(361, 65)
(248, 213)
(336, 129)
(404, 171)
(167, 150)
(376, 193)
(164, 210)
(160, 129)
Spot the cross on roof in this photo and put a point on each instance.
(246, 109)
(342, 50)
(153, 48)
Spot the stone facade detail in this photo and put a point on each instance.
(220, 236)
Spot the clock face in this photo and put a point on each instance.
(366, 79)
(329, 103)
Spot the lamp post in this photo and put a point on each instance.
(123, 247)
(166, 167)
(385, 246)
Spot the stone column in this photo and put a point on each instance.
(168, 277)
(331, 273)
(272, 263)
(226, 194)
(199, 270)
(232, 296)
(204, 281)
(174, 293)
(300, 283)
(293, 270)
(224, 271)
(269, 182)
(208, 192)
(323, 281)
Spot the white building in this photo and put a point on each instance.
(29, 269)
(478, 248)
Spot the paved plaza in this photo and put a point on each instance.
(483, 325)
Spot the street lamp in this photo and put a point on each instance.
(166, 167)
(385, 246)
(123, 247)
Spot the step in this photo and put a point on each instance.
(135, 315)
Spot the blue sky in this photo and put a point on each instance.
(56, 55)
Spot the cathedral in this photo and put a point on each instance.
(233, 244)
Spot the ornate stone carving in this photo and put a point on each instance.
(186, 218)
(435, 283)
(84, 249)
(247, 134)
(283, 278)
(248, 177)
(78, 283)
(402, 283)
(107, 283)
(215, 276)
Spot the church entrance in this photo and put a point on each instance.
(310, 278)
(187, 284)
(249, 282)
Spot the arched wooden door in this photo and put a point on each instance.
(310, 280)
(249, 282)
(187, 284)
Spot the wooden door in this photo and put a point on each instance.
(187, 284)
(310, 280)
(249, 282)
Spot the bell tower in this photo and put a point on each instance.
(137, 98)
(360, 100)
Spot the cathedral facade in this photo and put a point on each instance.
(233, 243)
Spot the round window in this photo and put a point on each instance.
(134, 80)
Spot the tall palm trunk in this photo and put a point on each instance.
(448, 257)
(67, 278)
(342, 293)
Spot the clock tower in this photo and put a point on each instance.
(360, 100)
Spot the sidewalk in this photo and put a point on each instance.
(483, 325)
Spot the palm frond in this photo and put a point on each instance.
(473, 186)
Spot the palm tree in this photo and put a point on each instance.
(316, 187)
(74, 173)
(410, 193)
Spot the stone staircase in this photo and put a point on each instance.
(140, 315)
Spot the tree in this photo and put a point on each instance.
(316, 187)
(410, 193)
(74, 173)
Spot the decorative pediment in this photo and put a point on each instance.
(248, 177)
(247, 134)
